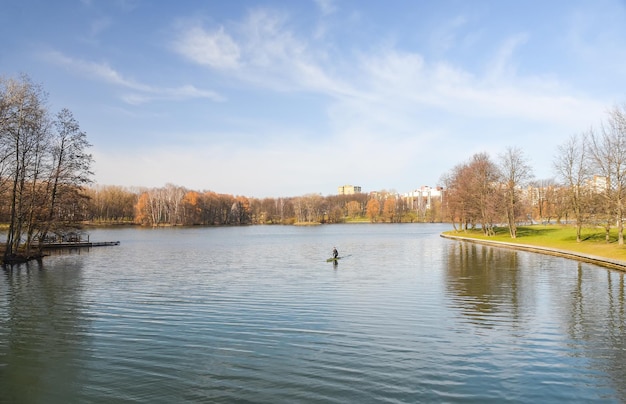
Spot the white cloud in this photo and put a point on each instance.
(171, 94)
(404, 81)
(98, 70)
(261, 51)
(446, 35)
(501, 66)
(142, 92)
(389, 81)
(387, 108)
(268, 41)
(215, 49)
(395, 106)
(326, 6)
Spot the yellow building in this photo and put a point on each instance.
(348, 190)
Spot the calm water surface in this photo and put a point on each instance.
(256, 314)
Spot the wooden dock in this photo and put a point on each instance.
(78, 244)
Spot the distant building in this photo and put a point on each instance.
(599, 184)
(422, 199)
(348, 190)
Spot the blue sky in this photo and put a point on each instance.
(286, 98)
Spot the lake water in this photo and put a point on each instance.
(256, 314)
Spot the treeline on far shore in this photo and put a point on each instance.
(46, 192)
(173, 205)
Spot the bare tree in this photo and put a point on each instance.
(472, 193)
(69, 166)
(484, 175)
(608, 152)
(561, 204)
(571, 165)
(543, 199)
(460, 205)
(240, 211)
(22, 130)
(516, 172)
(43, 165)
(111, 203)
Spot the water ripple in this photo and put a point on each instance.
(221, 315)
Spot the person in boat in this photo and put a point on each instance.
(335, 253)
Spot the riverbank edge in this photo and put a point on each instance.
(594, 259)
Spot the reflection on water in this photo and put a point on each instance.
(44, 328)
(584, 310)
(484, 283)
(256, 314)
(597, 318)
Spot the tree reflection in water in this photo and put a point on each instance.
(537, 297)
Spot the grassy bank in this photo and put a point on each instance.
(557, 237)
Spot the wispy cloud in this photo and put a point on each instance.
(592, 35)
(446, 35)
(99, 25)
(403, 80)
(379, 92)
(100, 71)
(215, 49)
(326, 6)
(264, 51)
(171, 94)
(142, 93)
(502, 66)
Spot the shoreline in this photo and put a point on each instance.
(594, 259)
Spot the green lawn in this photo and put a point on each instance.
(558, 237)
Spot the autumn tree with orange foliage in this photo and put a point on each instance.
(389, 209)
(474, 195)
(192, 208)
(354, 209)
(373, 210)
(173, 205)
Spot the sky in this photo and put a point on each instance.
(288, 98)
